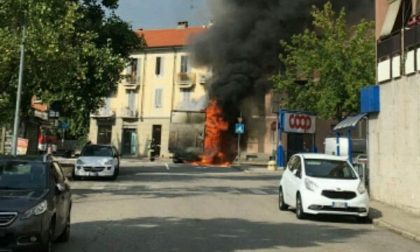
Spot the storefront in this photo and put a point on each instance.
(296, 133)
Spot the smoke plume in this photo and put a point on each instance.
(242, 46)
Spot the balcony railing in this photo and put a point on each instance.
(186, 80)
(131, 82)
(129, 113)
(103, 113)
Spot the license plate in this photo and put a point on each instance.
(339, 204)
(94, 174)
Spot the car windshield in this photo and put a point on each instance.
(22, 175)
(96, 151)
(334, 169)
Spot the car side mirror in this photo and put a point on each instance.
(59, 188)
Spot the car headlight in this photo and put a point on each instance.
(109, 162)
(37, 210)
(310, 185)
(79, 162)
(361, 188)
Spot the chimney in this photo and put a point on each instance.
(182, 25)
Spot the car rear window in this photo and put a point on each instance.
(23, 175)
(97, 151)
(335, 169)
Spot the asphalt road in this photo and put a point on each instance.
(158, 207)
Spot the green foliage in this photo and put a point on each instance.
(72, 54)
(334, 60)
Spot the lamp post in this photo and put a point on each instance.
(19, 92)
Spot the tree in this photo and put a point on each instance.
(74, 54)
(325, 68)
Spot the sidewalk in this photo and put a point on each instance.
(396, 219)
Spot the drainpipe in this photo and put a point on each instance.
(143, 87)
(173, 82)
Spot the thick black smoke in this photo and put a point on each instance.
(242, 46)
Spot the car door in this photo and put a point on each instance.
(286, 179)
(62, 196)
(295, 179)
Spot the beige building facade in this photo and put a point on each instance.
(157, 81)
(394, 139)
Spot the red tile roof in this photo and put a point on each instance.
(169, 37)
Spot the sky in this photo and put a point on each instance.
(157, 14)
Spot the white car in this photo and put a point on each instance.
(97, 161)
(323, 184)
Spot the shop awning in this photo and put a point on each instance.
(349, 122)
(391, 17)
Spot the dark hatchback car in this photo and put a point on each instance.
(35, 204)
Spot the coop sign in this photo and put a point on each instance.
(299, 123)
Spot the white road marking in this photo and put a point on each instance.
(257, 191)
(235, 191)
(98, 186)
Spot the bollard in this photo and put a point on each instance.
(271, 166)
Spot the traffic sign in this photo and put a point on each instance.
(239, 128)
(63, 125)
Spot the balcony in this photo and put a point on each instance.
(186, 80)
(131, 82)
(103, 113)
(129, 113)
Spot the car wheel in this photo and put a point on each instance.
(300, 214)
(282, 206)
(65, 235)
(75, 177)
(115, 175)
(46, 245)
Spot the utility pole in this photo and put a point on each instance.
(19, 92)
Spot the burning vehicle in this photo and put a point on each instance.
(201, 137)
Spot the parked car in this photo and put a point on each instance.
(97, 161)
(35, 204)
(323, 184)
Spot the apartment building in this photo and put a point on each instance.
(157, 81)
(394, 139)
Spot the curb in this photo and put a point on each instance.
(404, 233)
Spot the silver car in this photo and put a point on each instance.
(97, 161)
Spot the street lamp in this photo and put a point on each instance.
(19, 92)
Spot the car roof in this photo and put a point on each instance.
(35, 158)
(322, 156)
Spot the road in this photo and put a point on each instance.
(158, 207)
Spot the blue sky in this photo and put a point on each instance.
(152, 14)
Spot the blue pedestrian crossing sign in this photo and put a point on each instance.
(239, 128)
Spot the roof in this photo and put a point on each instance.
(349, 122)
(170, 37)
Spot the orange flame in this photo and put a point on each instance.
(215, 126)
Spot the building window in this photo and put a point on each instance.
(132, 71)
(158, 98)
(186, 96)
(184, 64)
(104, 134)
(158, 67)
(131, 100)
